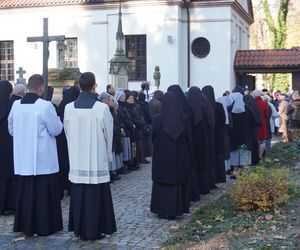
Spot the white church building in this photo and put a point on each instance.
(193, 42)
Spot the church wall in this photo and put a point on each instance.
(164, 25)
(213, 24)
(95, 30)
(240, 35)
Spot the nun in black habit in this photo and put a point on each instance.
(187, 110)
(61, 141)
(200, 138)
(219, 135)
(8, 183)
(170, 164)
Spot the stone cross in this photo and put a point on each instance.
(21, 72)
(45, 39)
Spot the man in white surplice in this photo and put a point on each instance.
(33, 123)
(89, 131)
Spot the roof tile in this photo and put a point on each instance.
(261, 58)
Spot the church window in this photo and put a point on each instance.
(136, 51)
(7, 60)
(200, 47)
(71, 53)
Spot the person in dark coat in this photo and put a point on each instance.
(128, 126)
(200, 138)
(219, 135)
(226, 101)
(170, 165)
(241, 137)
(294, 111)
(18, 92)
(61, 140)
(250, 102)
(143, 108)
(137, 133)
(118, 133)
(155, 103)
(8, 182)
(187, 110)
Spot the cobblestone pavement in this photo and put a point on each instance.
(137, 227)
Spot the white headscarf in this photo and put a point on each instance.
(257, 93)
(118, 96)
(238, 105)
(226, 101)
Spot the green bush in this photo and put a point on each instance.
(261, 189)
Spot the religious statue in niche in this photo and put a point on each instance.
(61, 54)
(156, 76)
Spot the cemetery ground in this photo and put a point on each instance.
(213, 223)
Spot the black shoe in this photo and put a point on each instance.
(133, 168)
(123, 171)
(115, 177)
(171, 217)
(145, 162)
(229, 172)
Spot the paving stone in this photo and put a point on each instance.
(137, 227)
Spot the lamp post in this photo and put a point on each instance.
(119, 64)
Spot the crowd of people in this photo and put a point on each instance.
(87, 140)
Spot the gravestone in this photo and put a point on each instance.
(45, 39)
(21, 72)
(62, 78)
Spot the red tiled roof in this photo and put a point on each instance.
(277, 58)
(34, 3)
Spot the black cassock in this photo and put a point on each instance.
(8, 182)
(218, 152)
(61, 141)
(200, 139)
(91, 212)
(220, 131)
(187, 110)
(38, 208)
(170, 163)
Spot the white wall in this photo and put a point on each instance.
(96, 31)
(238, 24)
(214, 24)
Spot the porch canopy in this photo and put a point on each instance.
(267, 61)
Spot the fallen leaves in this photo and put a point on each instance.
(18, 239)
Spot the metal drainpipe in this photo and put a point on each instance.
(187, 6)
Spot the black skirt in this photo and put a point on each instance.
(38, 208)
(220, 168)
(8, 194)
(170, 199)
(204, 180)
(193, 186)
(91, 211)
(254, 153)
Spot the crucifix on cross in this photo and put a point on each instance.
(45, 39)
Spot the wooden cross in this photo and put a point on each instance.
(45, 39)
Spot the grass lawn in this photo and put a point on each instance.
(220, 225)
